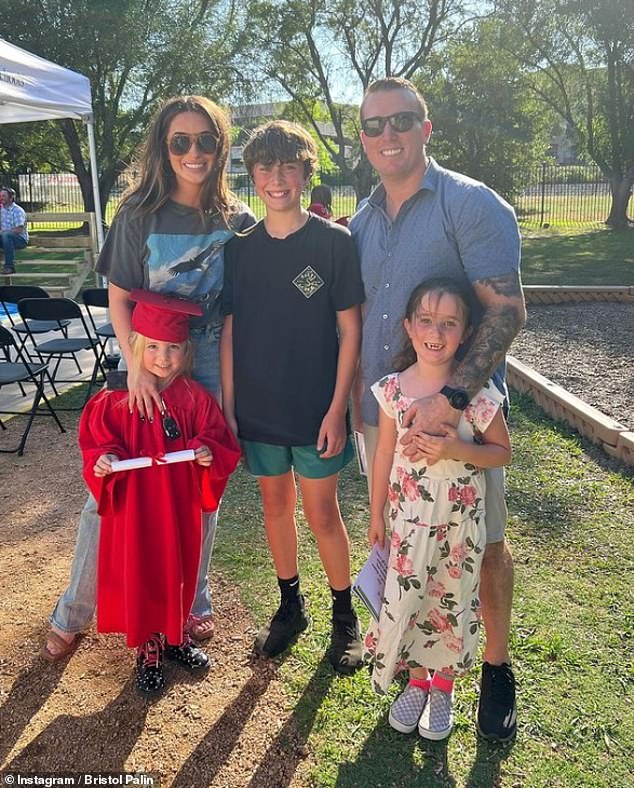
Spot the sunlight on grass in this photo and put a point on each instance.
(571, 519)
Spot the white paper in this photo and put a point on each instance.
(370, 583)
(187, 455)
(359, 442)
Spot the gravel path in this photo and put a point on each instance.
(587, 349)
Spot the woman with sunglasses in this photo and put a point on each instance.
(168, 236)
(150, 541)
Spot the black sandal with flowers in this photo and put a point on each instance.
(150, 679)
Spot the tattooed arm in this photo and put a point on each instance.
(504, 316)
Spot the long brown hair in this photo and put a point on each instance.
(155, 181)
(439, 286)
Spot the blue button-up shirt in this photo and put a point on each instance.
(452, 226)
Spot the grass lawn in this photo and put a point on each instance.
(571, 520)
(582, 257)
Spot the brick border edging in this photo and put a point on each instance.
(562, 294)
(614, 438)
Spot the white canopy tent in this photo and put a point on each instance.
(32, 88)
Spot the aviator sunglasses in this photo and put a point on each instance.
(400, 121)
(180, 143)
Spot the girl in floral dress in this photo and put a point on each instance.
(429, 619)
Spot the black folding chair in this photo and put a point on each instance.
(58, 349)
(21, 371)
(11, 295)
(97, 298)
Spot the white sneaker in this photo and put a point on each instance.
(436, 720)
(406, 710)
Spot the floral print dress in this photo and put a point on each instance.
(431, 611)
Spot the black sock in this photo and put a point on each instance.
(289, 589)
(341, 600)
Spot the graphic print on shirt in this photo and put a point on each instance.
(190, 266)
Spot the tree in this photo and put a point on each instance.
(487, 122)
(579, 56)
(135, 53)
(308, 46)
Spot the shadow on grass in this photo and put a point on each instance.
(486, 769)
(391, 760)
(105, 738)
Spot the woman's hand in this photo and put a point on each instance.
(143, 394)
(103, 466)
(203, 456)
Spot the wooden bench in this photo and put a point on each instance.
(66, 275)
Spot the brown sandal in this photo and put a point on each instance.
(65, 649)
(200, 627)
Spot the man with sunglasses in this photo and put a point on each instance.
(423, 221)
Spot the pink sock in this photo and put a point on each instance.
(442, 682)
(422, 683)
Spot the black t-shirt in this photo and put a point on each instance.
(284, 295)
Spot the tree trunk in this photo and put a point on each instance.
(362, 178)
(621, 188)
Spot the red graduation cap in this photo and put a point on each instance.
(162, 317)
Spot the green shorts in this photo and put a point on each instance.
(266, 459)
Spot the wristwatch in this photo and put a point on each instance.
(458, 398)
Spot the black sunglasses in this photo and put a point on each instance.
(170, 427)
(400, 121)
(179, 144)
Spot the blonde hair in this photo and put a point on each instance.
(138, 343)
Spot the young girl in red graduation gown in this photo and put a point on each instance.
(151, 536)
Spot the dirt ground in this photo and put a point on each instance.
(232, 728)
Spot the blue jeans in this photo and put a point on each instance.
(10, 242)
(76, 607)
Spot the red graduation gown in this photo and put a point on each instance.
(151, 531)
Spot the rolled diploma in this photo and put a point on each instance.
(145, 462)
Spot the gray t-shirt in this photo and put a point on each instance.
(174, 251)
(452, 226)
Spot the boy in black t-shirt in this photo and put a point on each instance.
(289, 351)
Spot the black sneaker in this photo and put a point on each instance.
(497, 713)
(149, 666)
(287, 623)
(346, 647)
(188, 655)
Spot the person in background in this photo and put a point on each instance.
(14, 234)
(321, 201)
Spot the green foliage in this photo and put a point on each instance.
(487, 122)
(579, 58)
(36, 146)
(571, 519)
(135, 53)
(310, 48)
